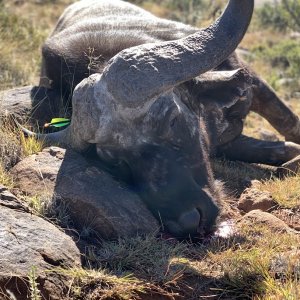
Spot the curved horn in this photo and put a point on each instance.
(139, 73)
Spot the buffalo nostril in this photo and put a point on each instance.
(190, 221)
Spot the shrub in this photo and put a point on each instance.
(284, 55)
(281, 15)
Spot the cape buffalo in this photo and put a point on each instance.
(158, 97)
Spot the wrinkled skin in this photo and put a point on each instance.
(150, 113)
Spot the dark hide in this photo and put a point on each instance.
(161, 138)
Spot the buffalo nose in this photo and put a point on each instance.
(190, 221)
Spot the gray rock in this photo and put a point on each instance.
(16, 102)
(31, 104)
(96, 201)
(7, 199)
(252, 198)
(27, 243)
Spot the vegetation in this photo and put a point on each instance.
(283, 52)
(282, 15)
(34, 287)
(286, 193)
(238, 267)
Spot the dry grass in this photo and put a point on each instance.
(30, 145)
(285, 192)
(238, 175)
(5, 178)
(238, 267)
(21, 36)
(92, 284)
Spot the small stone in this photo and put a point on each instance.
(252, 198)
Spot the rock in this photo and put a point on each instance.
(286, 264)
(95, 200)
(31, 104)
(259, 217)
(16, 102)
(9, 200)
(267, 135)
(252, 198)
(36, 174)
(29, 243)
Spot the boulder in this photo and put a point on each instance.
(31, 104)
(16, 102)
(95, 200)
(258, 217)
(31, 248)
(253, 198)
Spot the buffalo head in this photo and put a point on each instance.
(136, 115)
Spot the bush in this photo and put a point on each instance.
(281, 15)
(284, 55)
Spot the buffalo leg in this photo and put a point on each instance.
(267, 104)
(251, 150)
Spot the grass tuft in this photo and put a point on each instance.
(285, 192)
(92, 284)
(30, 145)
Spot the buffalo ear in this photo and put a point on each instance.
(221, 88)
